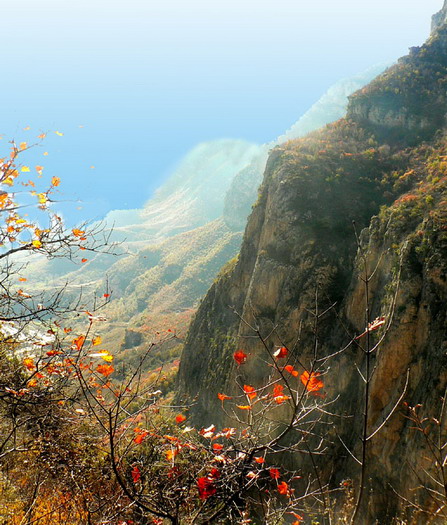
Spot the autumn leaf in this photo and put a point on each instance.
(171, 453)
(283, 488)
(280, 353)
(25, 169)
(208, 432)
(106, 295)
(36, 243)
(59, 134)
(299, 518)
(180, 418)
(23, 145)
(41, 136)
(311, 381)
(136, 474)
(55, 181)
(206, 488)
(139, 438)
(259, 460)
(222, 397)
(240, 357)
(274, 473)
(28, 362)
(96, 341)
(278, 394)
(291, 370)
(217, 447)
(39, 169)
(250, 391)
(78, 342)
(105, 370)
(84, 260)
(244, 407)
(22, 279)
(78, 233)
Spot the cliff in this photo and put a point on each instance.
(384, 169)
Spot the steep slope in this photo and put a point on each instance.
(300, 239)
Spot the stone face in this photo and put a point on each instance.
(299, 239)
(439, 18)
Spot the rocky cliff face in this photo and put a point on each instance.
(383, 167)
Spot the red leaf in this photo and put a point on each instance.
(136, 474)
(260, 460)
(281, 352)
(240, 357)
(217, 447)
(283, 488)
(274, 473)
(180, 418)
(206, 488)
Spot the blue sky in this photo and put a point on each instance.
(148, 80)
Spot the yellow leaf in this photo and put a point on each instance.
(25, 169)
(27, 128)
(107, 358)
(28, 362)
(9, 181)
(45, 153)
(23, 145)
(96, 341)
(37, 243)
(42, 198)
(59, 134)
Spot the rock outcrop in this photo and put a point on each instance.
(384, 168)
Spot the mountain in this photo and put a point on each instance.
(175, 245)
(362, 200)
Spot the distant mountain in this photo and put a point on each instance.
(191, 227)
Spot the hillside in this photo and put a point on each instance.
(364, 194)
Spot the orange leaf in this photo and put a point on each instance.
(77, 233)
(105, 370)
(171, 453)
(250, 391)
(141, 434)
(222, 397)
(217, 447)
(291, 370)
(311, 381)
(240, 357)
(244, 407)
(180, 418)
(78, 342)
(283, 488)
(22, 279)
(55, 181)
(28, 362)
(259, 460)
(84, 260)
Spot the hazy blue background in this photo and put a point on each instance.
(148, 80)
